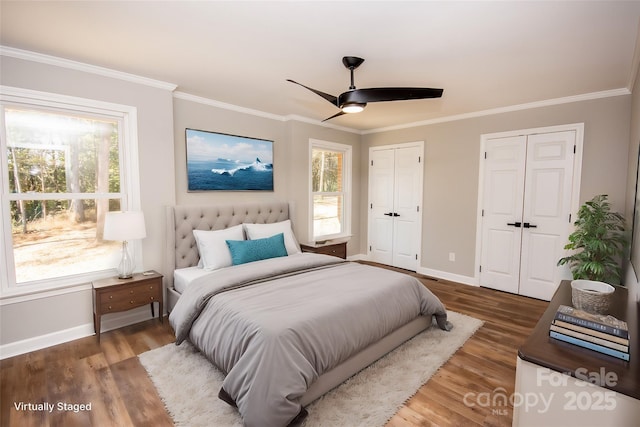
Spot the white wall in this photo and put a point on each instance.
(290, 163)
(65, 316)
(450, 191)
(298, 169)
(452, 156)
(27, 323)
(632, 276)
(197, 115)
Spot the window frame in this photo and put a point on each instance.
(129, 183)
(347, 166)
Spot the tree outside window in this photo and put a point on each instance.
(329, 190)
(63, 172)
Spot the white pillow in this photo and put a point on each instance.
(260, 231)
(212, 246)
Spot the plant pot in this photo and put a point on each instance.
(591, 296)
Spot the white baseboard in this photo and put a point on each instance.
(113, 321)
(357, 257)
(452, 277)
(436, 274)
(36, 343)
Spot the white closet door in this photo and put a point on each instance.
(381, 192)
(527, 188)
(395, 195)
(547, 207)
(407, 196)
(504, 173)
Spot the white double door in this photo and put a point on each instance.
(526, 207)
(395, 198)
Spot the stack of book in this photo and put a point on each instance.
(601, 333)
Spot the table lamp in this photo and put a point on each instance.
(124, 226)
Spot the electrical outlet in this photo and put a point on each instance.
(452, 256)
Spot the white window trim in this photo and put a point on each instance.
(347, 172)
(129, 163)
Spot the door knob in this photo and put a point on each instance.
(515, 224)
(395, 214)
(527, 225)
(388, 214)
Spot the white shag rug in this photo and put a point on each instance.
(188, 383)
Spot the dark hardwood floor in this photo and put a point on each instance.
(485, 365)
(110, 377)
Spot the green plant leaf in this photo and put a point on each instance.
(599, 242)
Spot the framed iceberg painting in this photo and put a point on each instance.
(217, 161)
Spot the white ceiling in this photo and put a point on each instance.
(485, 55)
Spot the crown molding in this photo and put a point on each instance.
(81, 66)
(511, 108)
(218, 104)
(303, 119)
(232, 107)
(66, 63)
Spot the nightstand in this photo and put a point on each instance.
(335, 249)
(112, 295)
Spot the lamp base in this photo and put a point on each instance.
(125, 269)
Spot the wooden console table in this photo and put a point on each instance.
(561, 371)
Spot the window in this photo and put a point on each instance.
(331, 189)
(63, 167)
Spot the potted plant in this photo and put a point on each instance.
(600, 243)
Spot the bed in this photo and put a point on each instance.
(288, 326)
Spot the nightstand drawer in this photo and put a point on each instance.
(117, 302)
(336, 249)
(138, 292)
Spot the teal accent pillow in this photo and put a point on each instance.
(244, 251)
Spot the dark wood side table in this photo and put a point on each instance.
(560, 370)
(335, 249)
(112, 295)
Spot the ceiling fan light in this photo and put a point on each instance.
(352, 107)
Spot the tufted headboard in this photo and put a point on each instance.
(181, 249)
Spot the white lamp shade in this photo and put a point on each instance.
(124, 226)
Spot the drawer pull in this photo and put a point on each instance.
(110, 296)
(131, 292)
(150, 287)
(131, 302)
(109, 307)
(151, 298)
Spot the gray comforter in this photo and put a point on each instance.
(274, 326)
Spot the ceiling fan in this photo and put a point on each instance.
(354, 100)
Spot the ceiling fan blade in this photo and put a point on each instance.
(339, 113)
(379, 94)
(332, 99)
